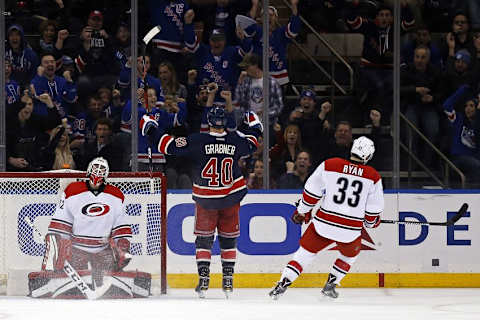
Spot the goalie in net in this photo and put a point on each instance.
(90, 231)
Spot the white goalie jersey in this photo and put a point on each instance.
(89, 219)
(349, 193)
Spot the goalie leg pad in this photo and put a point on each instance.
(57, 250)
(56, 284)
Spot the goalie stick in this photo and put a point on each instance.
(449, 222)
(73, 274)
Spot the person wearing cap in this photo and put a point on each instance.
(313, 123)
(279, 38)
(458, 72)
(249, 93)
(217, 62)
(24, 60)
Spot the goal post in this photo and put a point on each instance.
(35, 195)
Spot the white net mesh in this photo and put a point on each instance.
(36, 197)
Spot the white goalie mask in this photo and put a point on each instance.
(97, 171)
(363, 149)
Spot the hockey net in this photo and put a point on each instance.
(36, 195)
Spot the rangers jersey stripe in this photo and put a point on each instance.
(218, 192)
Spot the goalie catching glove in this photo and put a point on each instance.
(121, 252)
(299, 218)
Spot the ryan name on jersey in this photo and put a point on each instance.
(220, 148)
(353, 169)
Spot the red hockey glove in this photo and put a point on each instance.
(121, 253)
(372, 224)
(299, 218)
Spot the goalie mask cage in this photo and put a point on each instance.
(36, 195)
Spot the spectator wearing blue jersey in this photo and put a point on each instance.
(62, 90)
(464, 131)
(279, 38)
(217, 62)
(197, 97)
(12, 89)
(175, 20)
(23, 58)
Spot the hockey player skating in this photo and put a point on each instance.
(351, 196)
(89, 229)
(218, 186)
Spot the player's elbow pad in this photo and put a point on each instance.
(148, 125)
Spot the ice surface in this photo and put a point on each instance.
(248, 304)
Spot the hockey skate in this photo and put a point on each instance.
(280, 288)
(203, 281)
(329, 288)
(227, 281)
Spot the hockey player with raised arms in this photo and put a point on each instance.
(351, 197)
(89, 229)
(218, 186)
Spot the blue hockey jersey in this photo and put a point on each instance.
(170, 15)
(278, 42)
(217, 179)
(62, 92)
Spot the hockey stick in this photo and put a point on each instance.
(449, 222)
(146, 40)
(73, 274)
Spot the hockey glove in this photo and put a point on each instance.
(375, 223)
(148, 125)
(121, 253)
(252, 120)
(299, 218)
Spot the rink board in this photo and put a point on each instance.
(393, 255)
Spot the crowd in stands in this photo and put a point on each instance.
(68, 89)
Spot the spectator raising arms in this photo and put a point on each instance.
(62, 90)
(279, 37)
(170, 85)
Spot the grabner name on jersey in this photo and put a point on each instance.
(352, 169)
(220, 149)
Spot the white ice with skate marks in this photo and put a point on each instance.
(251, 304)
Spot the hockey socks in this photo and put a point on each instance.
(294, 268)
(341, 267)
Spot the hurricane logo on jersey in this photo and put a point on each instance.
(95, 209)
